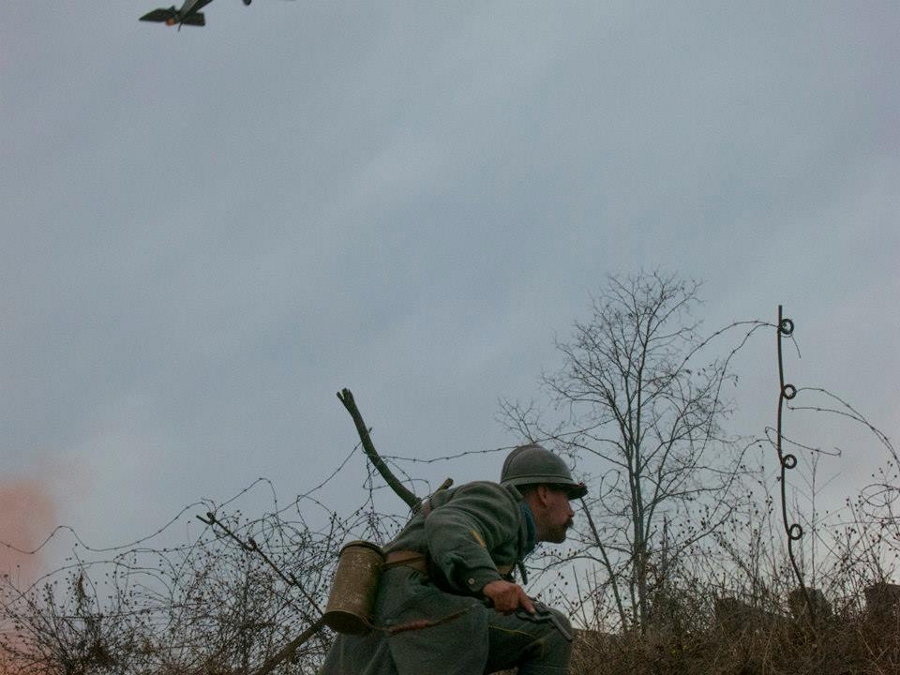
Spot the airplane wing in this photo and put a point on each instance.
(171, 16)
(159, 15)
(195, 19)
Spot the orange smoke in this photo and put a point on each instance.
(26, 518)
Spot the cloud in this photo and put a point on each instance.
(207, 233)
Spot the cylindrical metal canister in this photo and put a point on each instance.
(352, 597)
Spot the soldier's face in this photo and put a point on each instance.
(556, 515)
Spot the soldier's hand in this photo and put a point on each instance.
(507, 597)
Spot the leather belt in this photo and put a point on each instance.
(416, 561)
(412, 559)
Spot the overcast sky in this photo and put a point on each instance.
(206, 233)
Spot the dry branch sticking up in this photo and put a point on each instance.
(346, 397)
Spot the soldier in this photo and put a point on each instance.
(447, 603)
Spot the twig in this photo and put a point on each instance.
(251, 547)
(286, 651)
(346, 397)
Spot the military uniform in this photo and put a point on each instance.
(430, 617)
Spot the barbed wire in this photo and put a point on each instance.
(169, 594)
(181, 588)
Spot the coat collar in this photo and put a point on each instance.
(530, 538)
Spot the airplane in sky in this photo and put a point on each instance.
(188, 15)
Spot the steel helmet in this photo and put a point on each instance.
(535, 465)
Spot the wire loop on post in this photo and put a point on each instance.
(788, 461)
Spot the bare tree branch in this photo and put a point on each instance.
(346, 397)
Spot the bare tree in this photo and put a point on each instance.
(646, 410)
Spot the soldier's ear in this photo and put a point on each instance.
(543, 493)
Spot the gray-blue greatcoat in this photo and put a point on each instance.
(437, 623)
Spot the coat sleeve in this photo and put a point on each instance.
(462, 533)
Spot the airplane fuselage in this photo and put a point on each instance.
(187, 9)
(188, 15)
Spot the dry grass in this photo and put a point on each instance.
(846, 646)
